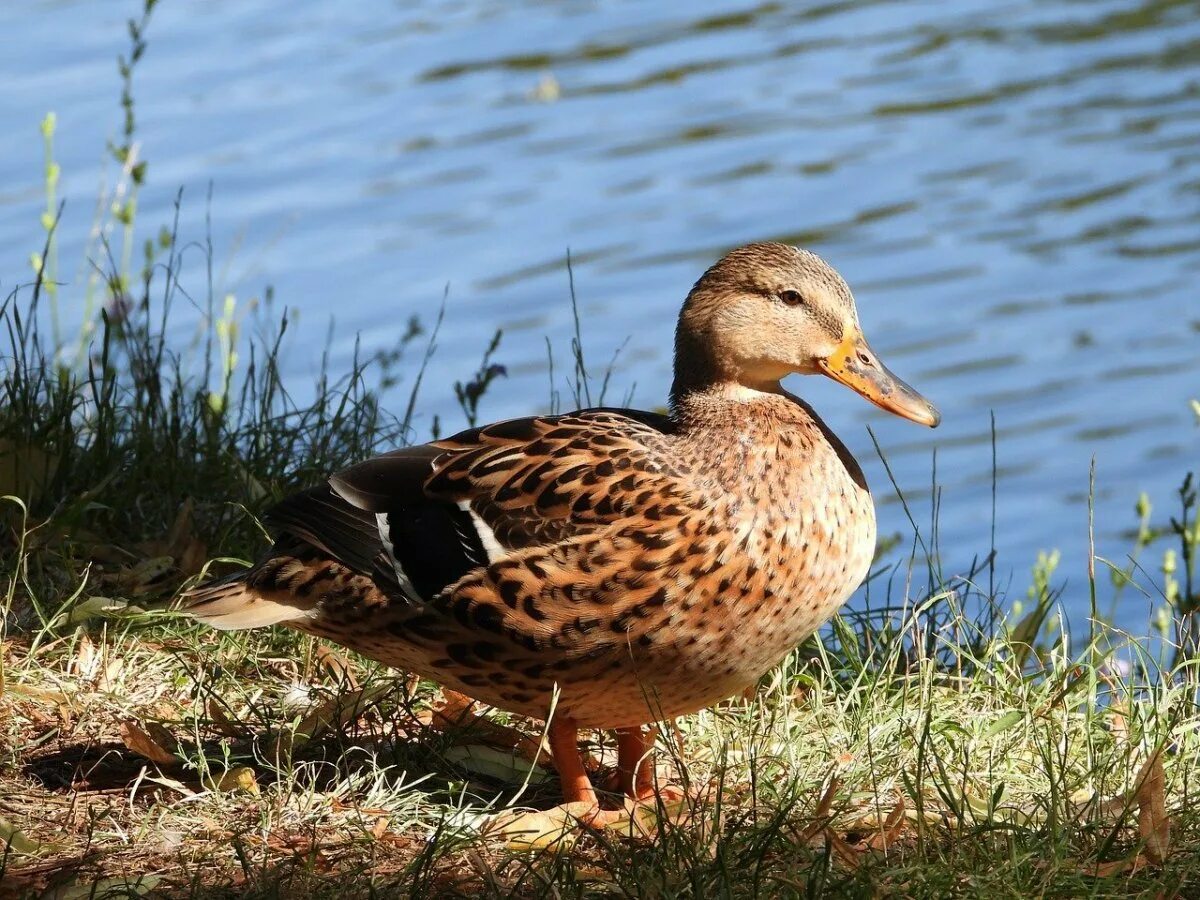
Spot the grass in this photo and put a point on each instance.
(943, 743)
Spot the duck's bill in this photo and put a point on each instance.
(855, 365)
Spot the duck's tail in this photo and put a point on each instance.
(243, 600)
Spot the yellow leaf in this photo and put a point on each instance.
(104, 607)
(238, 780)
(554, 829)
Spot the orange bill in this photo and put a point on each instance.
(855, 365)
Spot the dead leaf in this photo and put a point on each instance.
(141, 743)
(379, 829)
(553, 829)
(102, 607)
(1153, 825)
(161, 736)
(221, 723)
(458, 711)
(181, 529)
(842, 850)
(85, 662)
(337, 665)
(820, 817)
(1116, 867)
(118, 886)
(642, 819)
(891, 828)
(455, 708)
(492, 762)
(147, 575)
(1117, 723)
(192, 557)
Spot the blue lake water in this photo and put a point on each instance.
(1011, 188)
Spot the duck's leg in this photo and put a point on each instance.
(635, 769)
(564, 750)
(635, 761)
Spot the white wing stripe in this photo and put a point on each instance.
(487, 537)
(406, 585)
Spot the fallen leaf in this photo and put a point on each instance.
(238, 780)
(193, 556)
(842, 850)
(554, 829)
(820, 816)
(85, 662)
(1117, 723)
(141, 743)
(181, 529)
(146, 576)
(1116, 867)
(98, 607)
(118, 886)
(172, 784)
(455, 708)
(643, 819)
(337, 665)
(30, 692)
(1153, 825)
(890, 829)
(161, 736)
(457, 711)
(492, 762)
(221, 723)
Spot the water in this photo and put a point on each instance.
(1011, 188)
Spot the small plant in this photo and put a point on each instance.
(470, 393)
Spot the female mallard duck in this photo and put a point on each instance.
(605, 568)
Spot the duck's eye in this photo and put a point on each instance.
(791, 298)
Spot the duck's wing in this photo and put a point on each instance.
(417, 520)
(445, 508)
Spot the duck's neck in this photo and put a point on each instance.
(704, 368)
(740, 435)
(732, 404)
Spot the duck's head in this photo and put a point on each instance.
(769, 310)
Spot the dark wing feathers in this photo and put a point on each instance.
(327, 522)
(379, 483)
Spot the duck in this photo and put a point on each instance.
(605, 568)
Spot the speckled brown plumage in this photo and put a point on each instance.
(633, 566)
